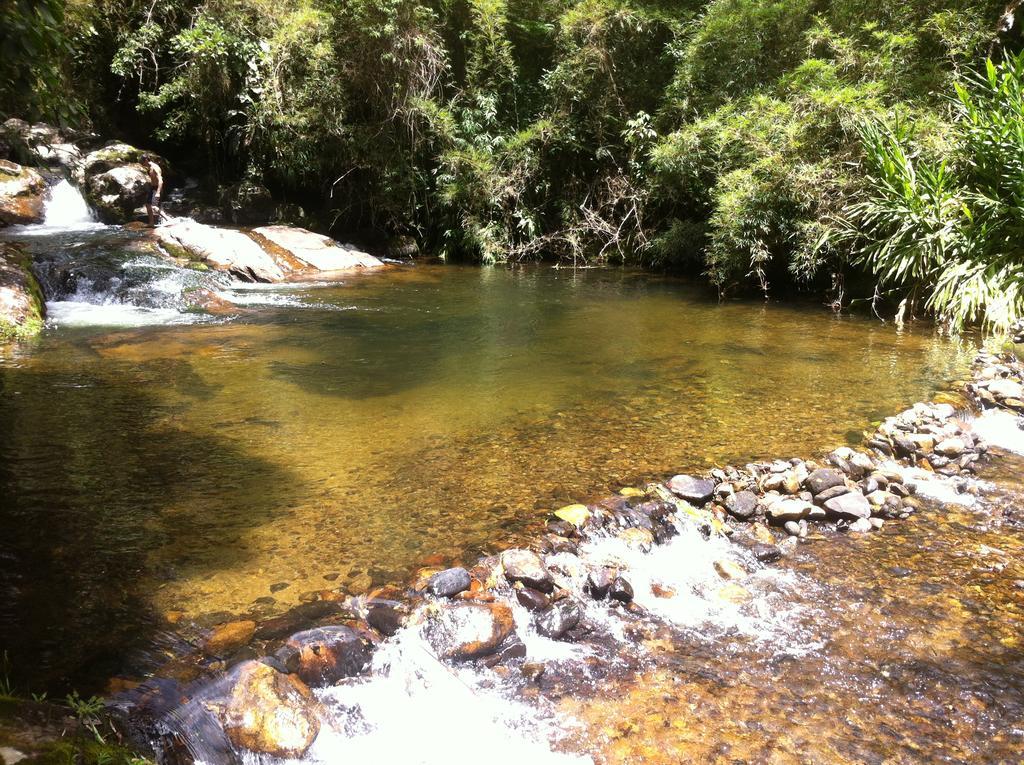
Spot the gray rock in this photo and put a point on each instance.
(527, 567)
(558, 619)
(835, 491)
(822, 479)
(849, 506)
(789, 509)
(861, 526)
(694, 490)
(448, 583)
(742, 504)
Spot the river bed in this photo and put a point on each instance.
(162, 466)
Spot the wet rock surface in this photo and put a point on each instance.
(21, 301)
(271, 713)
(22, 193)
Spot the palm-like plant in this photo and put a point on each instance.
(951, 231)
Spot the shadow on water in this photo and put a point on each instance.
(96, 478)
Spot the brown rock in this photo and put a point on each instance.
(324, 655)
(269, 712)
(227, 637)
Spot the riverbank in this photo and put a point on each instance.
(509, 610)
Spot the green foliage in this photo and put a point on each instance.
(35, 51)
(951, 230)
(719, 135)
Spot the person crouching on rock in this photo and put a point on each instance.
(156, 187)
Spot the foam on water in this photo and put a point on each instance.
(1002, 429)
(66, 313)
(677, 582)
(419, 711)
(65, 210)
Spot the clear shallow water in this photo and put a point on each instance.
(349, 430)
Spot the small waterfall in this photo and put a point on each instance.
(66, 209)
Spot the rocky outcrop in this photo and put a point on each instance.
(42, 145)
(21, 301)
(22, 192)
(269, 712)
(268, 254)
(221, 248)
(114, 181)
(313, 252)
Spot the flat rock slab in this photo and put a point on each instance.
(223, 248)
(315, 251)
(852, 506)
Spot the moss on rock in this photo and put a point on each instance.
(22, 306)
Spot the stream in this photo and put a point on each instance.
(164, 469)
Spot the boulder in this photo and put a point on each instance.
(305, 251)
(221, 248)
(324, 655)
(1004, 388)
(448, 583)
(789, 509)
(951, 447)
(269, 712)
(822, 479)
(742, 504)
(694, 490)
(532, 600)
(849, 506)
(117, 193)
(468, 630)
(526, 566)
(22, 192)
(22, 308)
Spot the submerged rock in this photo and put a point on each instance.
(271, 713)
(227, 637)
(468, 630)
(22, 191)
